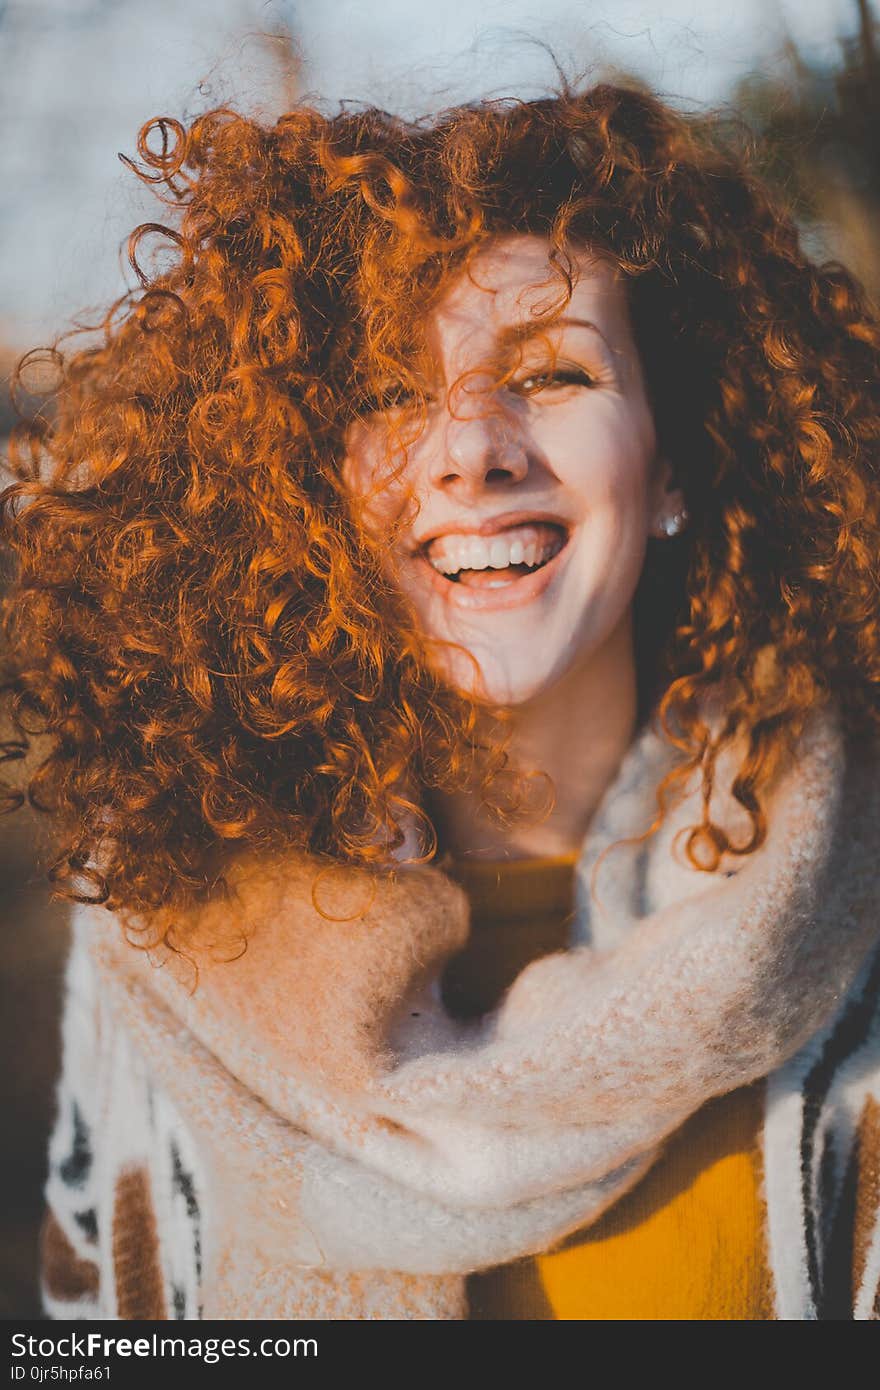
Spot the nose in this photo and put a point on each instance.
(479, 450)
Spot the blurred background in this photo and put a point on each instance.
(79, 77)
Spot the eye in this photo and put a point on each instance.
(393, 395)
(551, 380)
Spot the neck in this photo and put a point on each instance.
(577, 732)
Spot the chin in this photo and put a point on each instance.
(512, 686)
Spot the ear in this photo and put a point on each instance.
(348, 473)
(664, 494)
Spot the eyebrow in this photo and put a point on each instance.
(521, 332)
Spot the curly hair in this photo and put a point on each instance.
(195, 618)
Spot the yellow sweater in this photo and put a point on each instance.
(688, 1241)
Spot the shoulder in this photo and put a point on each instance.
(298, 960)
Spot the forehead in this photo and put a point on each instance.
(512, 281)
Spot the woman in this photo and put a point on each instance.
(453, 602)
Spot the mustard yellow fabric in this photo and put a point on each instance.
(688, 1242)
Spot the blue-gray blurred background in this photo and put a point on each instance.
(78, 78)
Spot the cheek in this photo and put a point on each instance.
(374, 477)
(360, 466)
(606, 459)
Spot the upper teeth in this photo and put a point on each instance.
(522, 545)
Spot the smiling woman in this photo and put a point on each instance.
(520, 508)
(449, 592)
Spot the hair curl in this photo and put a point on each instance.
(195, 619)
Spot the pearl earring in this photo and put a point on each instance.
(671, 525)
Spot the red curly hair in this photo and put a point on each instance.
(197, 622)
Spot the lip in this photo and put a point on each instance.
(515, 595)
(489, 526)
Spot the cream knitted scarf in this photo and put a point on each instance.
(358, 1151)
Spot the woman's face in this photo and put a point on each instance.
(536, 477)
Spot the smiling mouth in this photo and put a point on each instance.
(497, 561)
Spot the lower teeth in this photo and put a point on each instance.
(509, 573)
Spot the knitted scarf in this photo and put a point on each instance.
(356, 1151)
